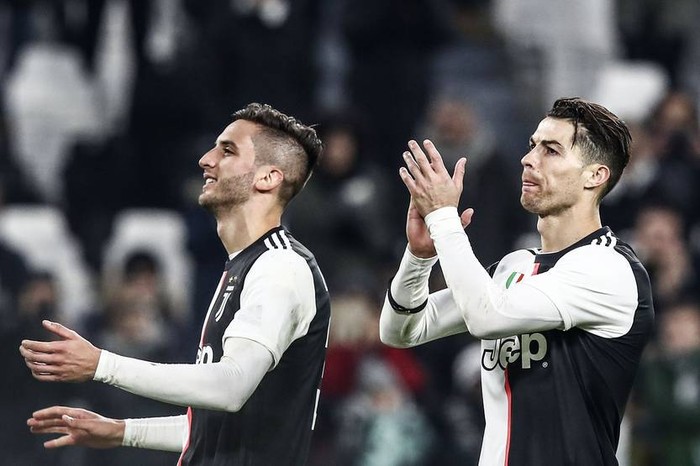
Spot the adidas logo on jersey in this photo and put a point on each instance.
(527, 348)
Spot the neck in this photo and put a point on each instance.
(239, 227)
(562, 230)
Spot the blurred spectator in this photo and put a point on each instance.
(369, 390)
(138, 321)
(676, 141)
(380, 424)
(670, 386)
(19, 392)
(664, 165)
(660, 240)
(620, 207)
(345, 213)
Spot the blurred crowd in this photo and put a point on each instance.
(106, 106)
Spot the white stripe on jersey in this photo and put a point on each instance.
(278, 240)
(285, 239)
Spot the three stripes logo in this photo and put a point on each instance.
(607, 240)
(278, 240)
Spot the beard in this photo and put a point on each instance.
(227, 193)
(544, 207)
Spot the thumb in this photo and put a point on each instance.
(60, 330)
(466, 217)
(458, 175)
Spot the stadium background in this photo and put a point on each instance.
(106, 106)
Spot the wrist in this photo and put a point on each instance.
(422, 253)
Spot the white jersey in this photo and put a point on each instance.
(573, 324)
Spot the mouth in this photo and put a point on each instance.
(208, 180)
(528, 185)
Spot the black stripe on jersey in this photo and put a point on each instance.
(285, 244)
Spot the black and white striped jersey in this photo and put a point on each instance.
(273, 293)
(557, 397)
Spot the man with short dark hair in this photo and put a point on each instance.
(562, 326)
(253, 393)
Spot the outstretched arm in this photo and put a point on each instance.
(229, 383)
(86, 428)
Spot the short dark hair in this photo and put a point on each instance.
(603, 136)
(285, 141)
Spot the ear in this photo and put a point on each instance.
(268, 177)
(596, 175)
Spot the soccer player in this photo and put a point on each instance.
(562, 326)
(253, 392)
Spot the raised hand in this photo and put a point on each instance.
(427, 179)
(78, 426)
(70, 359)
(431, 187)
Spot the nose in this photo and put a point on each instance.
(528, 159)
(207, 160)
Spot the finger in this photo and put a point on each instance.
(421, 159)
(40, 346)
(60, 330)
(58, 412)
(412, 165)
(36, 356)
(435, 157)
(50, 412)
(42, 424)
(49, 430)
(458, 175)
(63, 441)
(407, 180)
(466, 217)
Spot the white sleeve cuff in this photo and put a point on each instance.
(158, 433)
(104, 364)
(443, 220)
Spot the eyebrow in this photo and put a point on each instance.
(226, 142)
(547, 142)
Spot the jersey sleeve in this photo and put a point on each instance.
(277, 302)
(593, 288)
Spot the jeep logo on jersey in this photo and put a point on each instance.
(205, 355)
(528, 347)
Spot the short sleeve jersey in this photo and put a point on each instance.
(557, 397)
(275, 424)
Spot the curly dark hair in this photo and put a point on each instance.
(284, 141)
(603, 137)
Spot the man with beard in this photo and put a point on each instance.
(563, 326)
(252, 395)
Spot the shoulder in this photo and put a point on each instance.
(514, 259)
(280, 262)
(601, 258)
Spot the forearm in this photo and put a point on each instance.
(433, 316)
(156, 433)
(224, 386)
(488, 310)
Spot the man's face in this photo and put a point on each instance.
(553, 172)
(229, 167)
